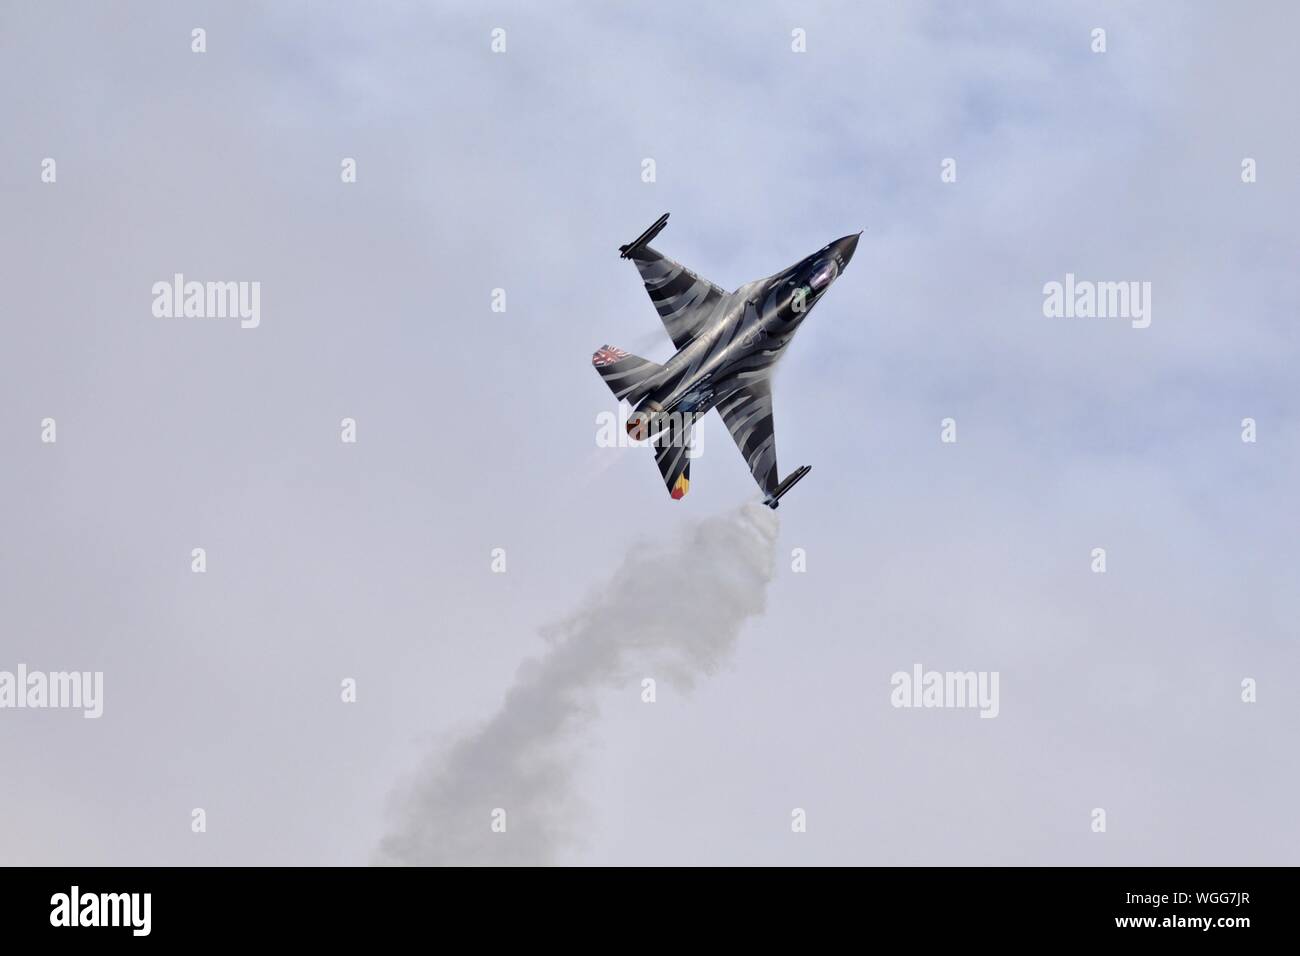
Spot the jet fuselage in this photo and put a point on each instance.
(747, 332)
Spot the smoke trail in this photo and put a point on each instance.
(671, 611)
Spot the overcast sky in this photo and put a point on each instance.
(476, 429)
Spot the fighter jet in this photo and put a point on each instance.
(727, 344)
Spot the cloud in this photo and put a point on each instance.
(671, 611)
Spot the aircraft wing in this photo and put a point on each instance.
(683, 300)
(748, 414)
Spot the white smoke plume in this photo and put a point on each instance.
(702, 586)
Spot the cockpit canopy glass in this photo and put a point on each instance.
(824, 275)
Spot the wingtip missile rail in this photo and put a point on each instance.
(792, 479)
(641, 240)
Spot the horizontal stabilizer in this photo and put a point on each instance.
(628, 376)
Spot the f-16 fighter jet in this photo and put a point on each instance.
(727, 344)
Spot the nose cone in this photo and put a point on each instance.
(844, 248)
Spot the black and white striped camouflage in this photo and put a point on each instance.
(727, 344)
